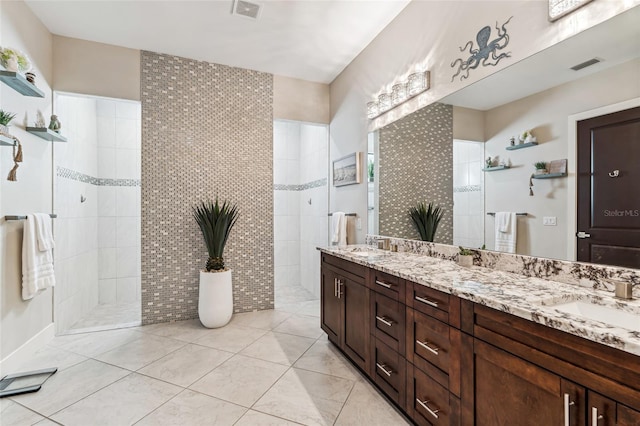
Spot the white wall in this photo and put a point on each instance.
(468, 193)
(546, 113)
(119, 212)
(428, 35)
(19, 320)
(76, 227)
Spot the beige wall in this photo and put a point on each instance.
(300, 100)
(22, 320)
(468, 124)
(428, 35)
(546, 114)
(90, 68)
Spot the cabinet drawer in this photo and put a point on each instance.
(428, 339)
(429, 301)
(429, 403)
(388, 321)
(389, 285)
(389, 371)
(346, 266)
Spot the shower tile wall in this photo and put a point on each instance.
(300, 202)
(468, 193)
(76, 227)
(119, 222)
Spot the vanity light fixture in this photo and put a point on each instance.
(384, 103)
(416, 83)
(398, 93)
(372, 109)
(560, 8)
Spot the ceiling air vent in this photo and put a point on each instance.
(586, 64)
(246, 9)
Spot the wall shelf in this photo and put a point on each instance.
(521, 145)
(20, 84)
(46, 134)
(494, 168)
(5, 141)
(549, 176)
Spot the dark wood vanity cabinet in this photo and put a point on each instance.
(344, 313)
(527, 374)
(448, 361)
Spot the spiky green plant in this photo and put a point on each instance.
(216, 222)
(426, 218)
(6, 117)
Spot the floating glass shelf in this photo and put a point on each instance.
(5, 141)
(46, 134)
(20, 84)
(494, 168)
(521, 145)
(549, 175)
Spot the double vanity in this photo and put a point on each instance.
(478, 346)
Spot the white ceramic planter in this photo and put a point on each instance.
(465, 260)
(215, 300)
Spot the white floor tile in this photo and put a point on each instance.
(325, 358)
(121, 403)
(255, 418)
(241, 380)
(365, 406)
(92, 344)
(230, 338)
(187, 331)
(140, 352)
(265, 320)
(15, 414)
(301, 325)
(278, 347)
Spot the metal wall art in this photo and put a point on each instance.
(486, 53)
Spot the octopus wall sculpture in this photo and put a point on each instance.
(485, 49)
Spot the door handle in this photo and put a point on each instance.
(595, 417)
(340, 284)
(582, 234)
(567, 404)
(335, 287)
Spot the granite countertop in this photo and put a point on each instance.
(526, 297)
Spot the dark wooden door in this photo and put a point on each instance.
(330, 312)
(609, 189)
(512, 391)
(600, 410)
(355, 298)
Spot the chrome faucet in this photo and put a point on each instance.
(384, 243)
(624, 290)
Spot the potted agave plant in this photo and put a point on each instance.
(215, 297)
(426, 218)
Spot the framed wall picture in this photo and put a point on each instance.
(558, 167)
(346, 170)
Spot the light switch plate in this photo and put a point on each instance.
(549, 221)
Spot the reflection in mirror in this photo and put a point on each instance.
(541, 94)
(468, 193)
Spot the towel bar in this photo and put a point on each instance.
(517, 214)
(346, 214)
(53, 216)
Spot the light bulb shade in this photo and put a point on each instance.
(418, 82)
(384, 103)
(398, 93)
(372, 109)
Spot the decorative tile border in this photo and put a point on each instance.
(590, 275)
(313, 184)
(81, 177)
(468, 188)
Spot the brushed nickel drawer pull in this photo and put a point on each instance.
(384, 369)
(383, 284)
(340, 284)
(335, 287)
(385, 321)
(424, 405)
(595, 417)
(427, 301)
(427, 347)
(567, 414)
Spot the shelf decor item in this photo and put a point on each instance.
(14, 60)
(465, 257)
(5, 119)
(215, 299)
(55, 124)
(541, 167)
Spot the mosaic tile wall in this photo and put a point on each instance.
(416, 164)
(207, 130)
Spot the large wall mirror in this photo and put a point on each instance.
(438, 153)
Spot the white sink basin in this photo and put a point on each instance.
(605, 314)
(361, 253)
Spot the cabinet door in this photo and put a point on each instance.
(601, 411)
(628, 416)
(330, 311)
(355, 336)
(512, 391)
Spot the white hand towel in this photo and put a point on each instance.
(44, 232)
(339, 228)
(37, 266)
(506, 230)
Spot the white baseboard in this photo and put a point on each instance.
(37, 342)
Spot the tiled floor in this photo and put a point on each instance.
(110, 316)
(264, 368)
